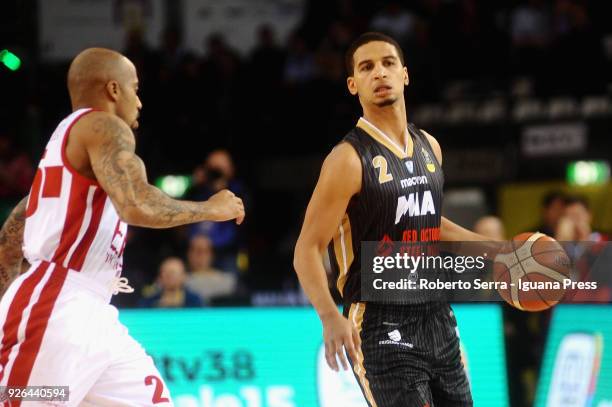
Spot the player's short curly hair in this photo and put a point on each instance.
(364, 39)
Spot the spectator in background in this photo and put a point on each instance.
(137, 51)
(575, 225)
(530, 25)
(530, 30)
(267, 58)
(16, 171)
(218, 173)
(221, 62)
(395, 21)
(221, 57)
(553, 206)
(490, 226)
(576, 36)
(190, 84)
(266, 64)
(203, 279)
(300, 64)
(171, 52)
(587, 249)
(330, 54)
(171, 291)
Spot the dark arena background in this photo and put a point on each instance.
(251, 95)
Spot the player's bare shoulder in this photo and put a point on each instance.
(343, 157)
(343, 167)
(435, 146)
(95, 137)
(100, 128)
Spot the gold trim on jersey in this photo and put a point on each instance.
(356, 317)
(343, 250)
(377, 135)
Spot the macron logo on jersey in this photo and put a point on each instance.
(413, 206)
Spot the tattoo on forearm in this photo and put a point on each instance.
(11, 240)
(122, 174)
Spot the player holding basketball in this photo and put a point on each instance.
(58, 328)
(358, 198)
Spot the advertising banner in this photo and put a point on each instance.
(577, 366)
(275, 357)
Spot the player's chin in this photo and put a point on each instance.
(386, 102)
(135, 125)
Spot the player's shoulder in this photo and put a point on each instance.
(344, 155)
(341, 169)
(99, 125)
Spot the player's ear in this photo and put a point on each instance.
(352, 86)
(406, 77)
(112, 88)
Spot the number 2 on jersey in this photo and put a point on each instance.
(159, 389)
(380, 163)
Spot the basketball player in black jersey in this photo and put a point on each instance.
(367, 191)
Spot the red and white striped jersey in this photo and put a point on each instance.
(70, 219)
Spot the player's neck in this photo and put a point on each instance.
(90, 104)
(391, 120)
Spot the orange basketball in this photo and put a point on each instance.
(532, 272)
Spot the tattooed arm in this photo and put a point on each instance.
(110, 145)
(11, 240)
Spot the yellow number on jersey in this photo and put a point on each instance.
(380, 163)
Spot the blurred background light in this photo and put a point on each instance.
(588, 172)
(174, 185)
(10, 60)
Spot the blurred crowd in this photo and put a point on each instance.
(219, 113)
(219, 97)
(229, 119)
(222, 116)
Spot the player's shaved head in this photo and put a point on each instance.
(106, 80)
(92, 69)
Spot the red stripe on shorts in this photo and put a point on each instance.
(35, 330)
(20, 301)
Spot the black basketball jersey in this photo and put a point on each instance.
(400, 200)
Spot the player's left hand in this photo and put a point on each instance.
(339, 334)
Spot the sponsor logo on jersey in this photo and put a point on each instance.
(395, 338)
(409, 166)
(415, 205)
(412, 181)
(395, 335)
(429, 164)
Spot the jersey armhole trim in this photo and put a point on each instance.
(425, 139)
(65, 161)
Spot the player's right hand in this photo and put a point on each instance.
(339, 332)
(226, 206)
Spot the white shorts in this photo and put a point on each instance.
(58, 329)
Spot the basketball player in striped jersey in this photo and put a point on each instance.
(382, 183)
(58, 328)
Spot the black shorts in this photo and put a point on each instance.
(411, 356)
